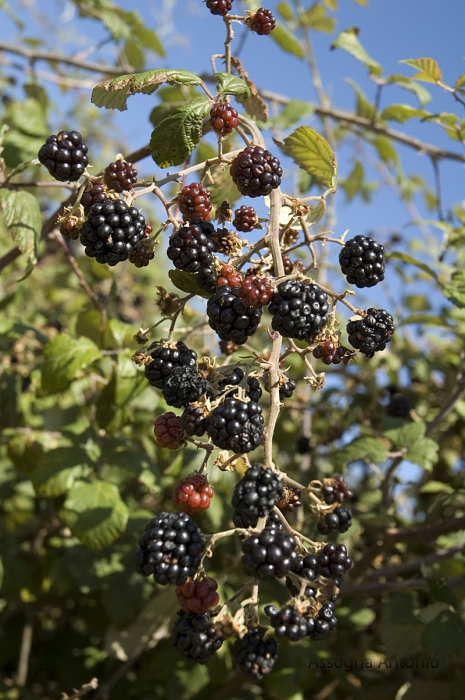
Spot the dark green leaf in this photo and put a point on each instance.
(23, 219)
(362, 448)
(423, 452)
(174, 139)
(227, 84)
(348, 41)
(311, 152)
(440, 590)
(404, 435)
(187, 282)
(64, 358)
(444, 637)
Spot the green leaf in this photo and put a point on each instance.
(174, 139)
(455, 290)
(28, 116)
(293, 112)
(364, 107)
(149, 39)
(285, 10)
(423, 452)
(444, 637)
(354, 181)
(113, 94)
(124, 386)
(61, 468)
(362, 448)
(409, 259)
(429, 69)
(316, 18)
(440, 590)
(348, 41)
(311, 152)
(134, 52)
(386, 150)
(187, 282)
(227, 84)
(316, 213)
(64, 358)
(460, 82)
(287, 41)
(96, 513)
(404, 435)
(401, 113)
(436, 487)
(408, 84)
(23, 219)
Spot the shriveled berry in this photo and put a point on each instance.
(183, 386)
(227, 347)
(169, 431)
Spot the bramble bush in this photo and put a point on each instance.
(230, 467)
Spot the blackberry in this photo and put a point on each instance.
(219, 7)
(165, 359)
(230, 318)
(332, 353)
(340, 519)
(195, 637)
(112, 231)
(183, 386)
(227, 347)
(399, 406)
(256, 291)
(255, 172)
(254, 654)
(170, 548)
(192, 495)
(290, 499)
(223, 118)
(287, 264)
(193, 421)
(256, 494)
(362, 261)
(303, 445)
(307, 568)
(64, 156)
(271, 554)
(194, 202)
(273, 520)
(95, 194)
(288, 622)
(286, 386)
(252, 387)
(198, 596)
(230, 277)
(120, 176)
(143, 253)
(333, 561)
(236, 425)
(299, 309)
(371, 333)
(262, 22)
(190, 248)
(169, 431)
(336, 491)
(206, 279)
(245, 219)
(324, 622)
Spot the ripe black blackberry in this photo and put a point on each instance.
(333, 561)
(303, 445)
(96, 194)
(372, 333)
(165, 359)
(193, 421)
(299, 309)
(271, 554)
(306, 567)
(112, 231)
(223, 118)
(236, 425)
(362, 261)
(273, 520)
(183, 386)
(190, 248)
(230, 318)
(288, 622)
(336, 491)
(254, 654)
(120, 176)
(399, 406)
(143, 253)
(219, 7)
(261, 22)
(170, 549)
(206, 279)
(286, 386)
(64, 156)
(324, 622)
(340, 519)
(255, 172)
(256, 493)
(252, 388)
(245, 219)
(195, 637)
(194, 202)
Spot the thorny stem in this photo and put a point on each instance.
(227, 43)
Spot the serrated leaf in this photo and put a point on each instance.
(348, 41)
(444, 637)
(174, 139)
(429, 69)
(311, 152)
(287, 41)
(423, 452)
(316, 18)
(113, 94)
(64, 358)
(187, 282)
(401, 113)
(406, 258)
(404, 435)
(455, 290)
(23, 219)
(362, 448)
(227, 84)
(408, 84)
(96, 514)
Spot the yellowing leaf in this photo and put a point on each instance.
(311, 152)
(429, 69)
(348, 41)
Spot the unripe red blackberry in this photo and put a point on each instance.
(95, 194)
(64, 156)
(227, 347)
(190, 248)
(371, 333)
(362, 261)
(169, 431)
(255, 654)
(120, 176)
(192, 494)
(194, 202)
(193, 420)
(288, 265)
(219, 7)
(229, 276)
(256, 291)
(198, 596)
(223, 118)
(245, 219)
(261, 22)
(255, 172)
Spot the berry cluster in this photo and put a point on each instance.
(120, 176)
(169, 431)
(256, 291)
(230, 277)
(112, 231)
(290, 499)
(333, 561)
(299, 309)
(195, 637)
(271, 554)
(165, 359)
(183, 386)
(371, 333)
(331, 353)
(193, 494)
(236, 425)
(223, 118)
(219, 7)
(307, 568)
(362, 261)
(324, 622)
(198, 596)
(194, 202)
(193, 421)
(245, 219)
(254, 654)
(262, 22)
(340, 519)
(64, 156)
(335, 491)
(256, 493)
(288, 622)
(255, 172)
